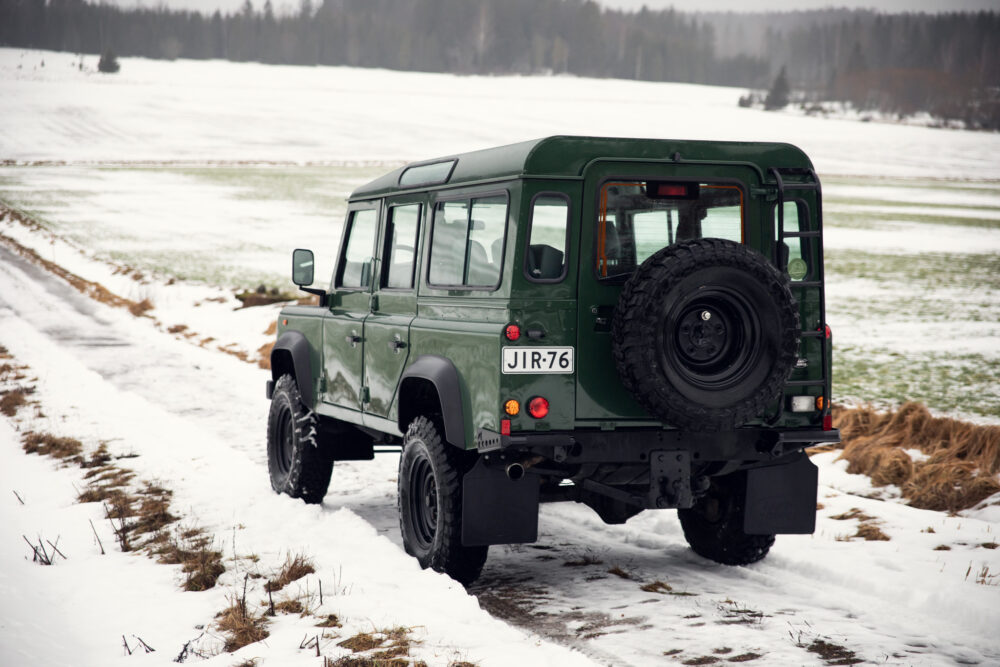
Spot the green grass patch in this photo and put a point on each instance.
(969, 383)
(974, 272)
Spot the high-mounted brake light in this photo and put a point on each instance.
(538, 407)
(668, 190)
(512, 332)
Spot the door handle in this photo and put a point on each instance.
(353, 339)
(396, 345)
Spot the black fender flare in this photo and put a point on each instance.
(441, 373)
(298, 348)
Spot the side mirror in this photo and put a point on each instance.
(303, 266)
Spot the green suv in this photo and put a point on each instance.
(630, 324)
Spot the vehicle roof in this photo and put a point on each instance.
(568, 156)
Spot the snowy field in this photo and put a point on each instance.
(180, 182)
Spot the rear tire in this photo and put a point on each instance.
(714, 526)
(430, 503)
(299, 464)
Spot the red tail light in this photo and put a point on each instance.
(828, 332)
(827, 422)
(512, 332)
(504, 427)
(538, 407)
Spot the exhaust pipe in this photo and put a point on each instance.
(515, 471)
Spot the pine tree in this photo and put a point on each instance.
(108, 62)
(777, 97)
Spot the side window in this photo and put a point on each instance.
(355, 263)
(546, 256)
(400, 253)
(451, 231)
(795, 216)
(485, 250)
(467, 242)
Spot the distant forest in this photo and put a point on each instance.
(944, 64)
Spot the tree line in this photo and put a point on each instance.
(948, 64)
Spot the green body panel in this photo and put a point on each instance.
(360, 382)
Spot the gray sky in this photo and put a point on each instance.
(209, 6)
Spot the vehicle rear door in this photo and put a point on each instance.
(600, 395)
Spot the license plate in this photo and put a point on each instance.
(537, 360)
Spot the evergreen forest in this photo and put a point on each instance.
(945, 64)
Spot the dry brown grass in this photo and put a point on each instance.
(853, 513)
(964, 458)
(384, 648)
(177, 328)
(11, 400)
(871, 533)
(289, 607)
(91, 289)
(295, 568)
(240, 625)
(331, 621)
(619, 572)
(264, 355)
(47, 444)
(191, 548)
(657, 587)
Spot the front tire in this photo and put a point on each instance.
(714, 526)
(299, 464)
(430, 504)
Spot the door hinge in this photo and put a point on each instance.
(322, 384)
(767, 193)
(373, 303)
(366, 396)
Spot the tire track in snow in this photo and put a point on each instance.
(799, 593)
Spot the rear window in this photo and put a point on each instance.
(638, 218)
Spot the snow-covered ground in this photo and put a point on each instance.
(195, 417)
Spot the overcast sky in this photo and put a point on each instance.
(686, 5)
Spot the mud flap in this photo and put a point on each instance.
(497, 510)
(781, 499)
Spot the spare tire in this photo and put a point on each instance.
(705, 334)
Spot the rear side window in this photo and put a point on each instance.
(636, 219)
(545, 260)
(467, 242)
(355, 264)
(400, 252)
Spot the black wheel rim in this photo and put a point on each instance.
(711, 338)
(423, 501)
(284, 441)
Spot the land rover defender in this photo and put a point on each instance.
(630, 324)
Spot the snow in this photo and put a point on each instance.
(195, 417)
(155, 110)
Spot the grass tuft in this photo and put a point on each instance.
(240, 626)
(47, 444)
(964, 458)
(295, 568)
(657, 587)
(11, 400)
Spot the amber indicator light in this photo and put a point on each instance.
(512, 407)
